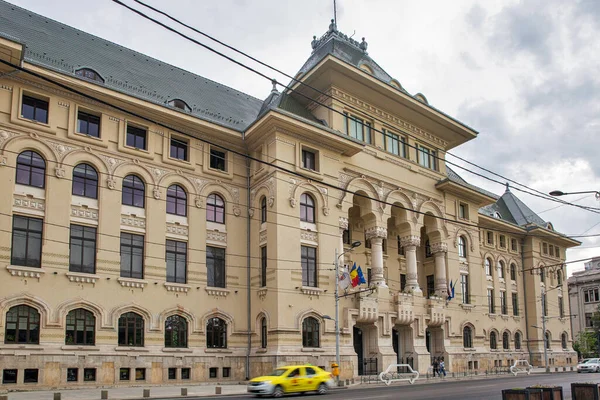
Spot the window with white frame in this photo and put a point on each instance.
(358, 128)
(591, 295)
(427, 157)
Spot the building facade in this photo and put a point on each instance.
(164, 228)
(584, 299)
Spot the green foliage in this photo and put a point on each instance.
(586, 344)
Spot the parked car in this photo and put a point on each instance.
(291, 379)
(589, 365)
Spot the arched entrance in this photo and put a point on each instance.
(358, 348)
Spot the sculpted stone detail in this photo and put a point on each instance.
(410, 241)
(33, 204)
(216, 236)
(111, 162)
(133, 221)
(198, 202)
(251, 212)
(81, 212)
(308, 235)
(440, 247)
(325, 211)
(376, 232)
(59, 148)
(3, 162)
(111, 183)
(156, 193)
(262, 237)
(4, 136)
(177, 229)
(59, 172)
(343, 222)
(236, 211)
(157, 172)
(293, 202)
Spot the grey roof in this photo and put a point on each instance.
(65, 49)
(513, 210)
(454, 177)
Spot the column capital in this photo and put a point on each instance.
(439, 248)
(411, 240)
(343, 223)
(376, 232)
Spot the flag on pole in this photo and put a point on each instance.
(451, 288)
(361, 277)
(344, 279)
(356, 276)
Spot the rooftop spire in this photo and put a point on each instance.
(507, 188)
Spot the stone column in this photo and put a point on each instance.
(376, 234)
(439, 251)
(409, 244)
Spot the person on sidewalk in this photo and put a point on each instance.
(442, 368)
(435, 366)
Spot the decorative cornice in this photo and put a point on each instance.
(216, 236)
(411, 240)
(376, 232)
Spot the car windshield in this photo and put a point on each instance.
(277, 372)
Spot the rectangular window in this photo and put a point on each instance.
(176, 258)
(172, 373)
(215, 264)
(140, 374)
(212, 372)
(26, 242)
(503, 241)
(557, 251)
(309, 266)
(124, 374)
(402, 282)
(226, 372)
(35, 109)
(464, 288)
(561, 310)
(347, 236)
(588, 320)
(89, 374)
(137, 137)
(463, 211)
(400, 248)
(545, 248)
(394, 143)
(72, 374)
(88, 124)
(309, 160)
(591, 295)
(513, 244)
(427, 157)
(179, 149)
(9, 376)
(132, 256)
(430, 286)
(185, 373)
(545, 304)
(369, 276)
(358, 129)
(30, 376)
(491, 305)
(490, 237)
(503, 306)
(263, 266)
(82, 249)
(217, 159)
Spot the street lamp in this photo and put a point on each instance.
(558, 193)
(337, 301)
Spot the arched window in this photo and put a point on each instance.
(462, 247)
(131, 330)
(518, 341)
(505, 341)
(307, 208)
(263, 210)
(467, 337)
(134, 191)
(488, 267)
(310, 332)
(85, 181)
(216, 333)
(176, 200)
(542, 275)
(563, 341)
(501, 269)
(547, 336)
(81, 328)
(559, 277)
(263, 332)
(178, 103)
(428, 249)
(89, 74)
(31, 169)
(513, 272)
(22, 325)
(176, 331)
(215, 208)
(493, 340)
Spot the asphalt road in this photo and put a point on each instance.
(468, 389)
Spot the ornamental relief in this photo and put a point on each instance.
(177, 229)
(87, 213)
(216, 236)
(32, 204)
(136, 222)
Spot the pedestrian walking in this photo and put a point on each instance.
(436, 366)
(442, 368)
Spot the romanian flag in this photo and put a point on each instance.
(356, 276)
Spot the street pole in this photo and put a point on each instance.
(544, 329)
(337, 322)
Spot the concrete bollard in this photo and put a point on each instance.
(57, 396)
(218, 390)
(347, 382)
(104, 394)
(146, 393)
(184, 391)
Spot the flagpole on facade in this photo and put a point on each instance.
(337, 303)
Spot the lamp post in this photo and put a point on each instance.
(337, 301)
(558, 193)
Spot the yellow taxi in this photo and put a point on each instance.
(291, 379)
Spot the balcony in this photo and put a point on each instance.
(367, 309)
(437, 314)
(405, 304)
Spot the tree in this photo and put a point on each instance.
(586, 344)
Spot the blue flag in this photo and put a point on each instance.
(451, 291)
(361, 277)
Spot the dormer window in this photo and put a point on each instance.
(89, 74)
(178, 103)
(497, 215)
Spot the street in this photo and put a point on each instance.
(473, 389)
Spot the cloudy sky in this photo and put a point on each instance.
(525, 74)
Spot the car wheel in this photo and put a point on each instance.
(322, 388)
(278, 392)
